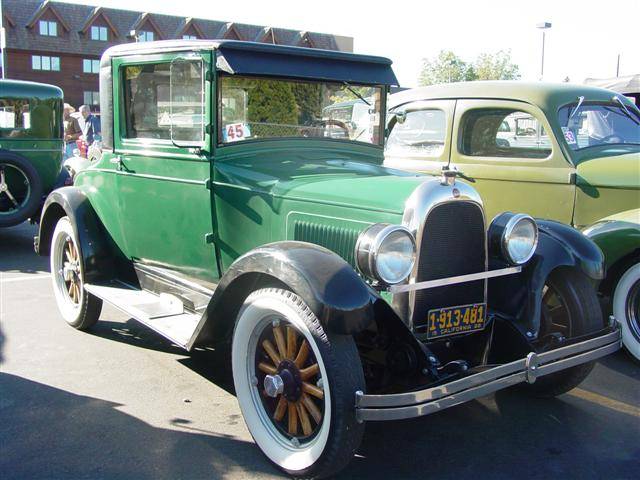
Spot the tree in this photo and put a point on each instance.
(445, 68)
(496, 66)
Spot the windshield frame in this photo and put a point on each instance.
(589, 150)
(220, 143)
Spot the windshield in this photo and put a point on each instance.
(257, 108)
(592, 124)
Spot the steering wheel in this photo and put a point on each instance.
(326, 123)
(611, 137)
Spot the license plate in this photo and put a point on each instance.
(453, 320)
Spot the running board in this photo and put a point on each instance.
(163, 313)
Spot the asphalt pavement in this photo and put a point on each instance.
(121, 402)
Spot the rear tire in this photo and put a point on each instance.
(78, 307)
(269, 317)
(626, 308)
(572, 291)
(20, 189)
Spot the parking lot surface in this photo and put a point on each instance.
(121, 402)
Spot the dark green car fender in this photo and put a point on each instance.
(96, 248)
(558, 246)
(618, 236)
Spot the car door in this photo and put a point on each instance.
(164, 186)
(504, 146)
(419, 137)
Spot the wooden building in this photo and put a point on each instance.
(61, 43)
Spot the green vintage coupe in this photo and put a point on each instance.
(563, 152)
(30, 147)
(226, 211)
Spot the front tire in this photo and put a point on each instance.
(78, 307)
(304, 420)
(571, 309)
(626, 308)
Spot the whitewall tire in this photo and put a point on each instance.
(296, 384)
(79, 308)
(626, 308)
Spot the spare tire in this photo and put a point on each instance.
(20, 189)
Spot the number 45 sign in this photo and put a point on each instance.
(235, 131)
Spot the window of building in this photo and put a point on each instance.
(145, 36)
(498, 132)
(189, 37)
(43, 62)
(99, 33)
(91, 98)
(90, 66)
(50, 29)
(420, 131)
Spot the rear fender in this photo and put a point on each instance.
(96, 247)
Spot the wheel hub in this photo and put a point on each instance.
(292, 381)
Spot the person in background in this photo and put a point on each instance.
(72, 131)
(91, 126)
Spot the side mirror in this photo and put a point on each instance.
(187, 102)
(401, 116)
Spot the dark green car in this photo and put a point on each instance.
(228, 211)
(563, 152)
(30, 147)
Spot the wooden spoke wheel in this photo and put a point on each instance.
(556, 315)
(296, 384)
(289, 381)
(79, 308)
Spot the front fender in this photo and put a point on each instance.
(559, 245)
(95, 247)
(339, 298)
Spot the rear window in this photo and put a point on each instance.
(29, 118)
(503, 133)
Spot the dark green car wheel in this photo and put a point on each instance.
(20, 189)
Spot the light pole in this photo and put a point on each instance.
(543, 26)
(3, 43)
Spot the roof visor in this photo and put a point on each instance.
(266, 60)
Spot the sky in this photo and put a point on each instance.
(585, 39)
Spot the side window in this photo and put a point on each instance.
(420, 131)
(503, 133)
(15, 117)
(146, 101)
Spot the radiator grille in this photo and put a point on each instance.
(337, 239)
(453, 243)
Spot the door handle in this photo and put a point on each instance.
(117, 161)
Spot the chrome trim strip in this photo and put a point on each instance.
(424, 402)
(440, 282)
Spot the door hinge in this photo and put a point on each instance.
(209, 129)
(209, 238)
(207, 184)
(209, 76)
(572, 178)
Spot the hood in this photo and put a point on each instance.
(619, 171)
(333, 181)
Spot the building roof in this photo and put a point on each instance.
(545, 95)
(76, 17)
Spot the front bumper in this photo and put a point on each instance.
(423, 402)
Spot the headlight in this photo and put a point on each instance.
(519, 239)
(386, 253)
